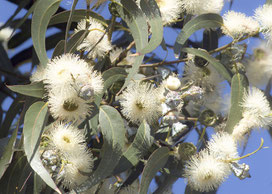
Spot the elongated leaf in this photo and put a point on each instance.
(133, 70)
(139, 147)
(41, 17)
(156, 161)
(33, 89)
(209, 20)
(59, 49)
(113, 130)
(35, 119)
(239, 85)
(77, 16)
(152, 12)
(69, 22)
(75, 40)
(220, 68)
(8, 153)
(136, 21)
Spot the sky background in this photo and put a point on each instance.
(260, 163)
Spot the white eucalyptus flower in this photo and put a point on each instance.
(237, 24)
(5, 34)
(96, 43)
(204, 172)
(198, 7)
(263, 14)
(140, 101)
(170, 10)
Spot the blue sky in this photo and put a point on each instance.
(260, 163)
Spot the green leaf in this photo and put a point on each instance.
(69, 22)
(239, 85)
(78, 15)
(156, 161)
(113, 130)
(59, 49)
(133, 70)
(220, 68)
(41, 17)
(152, 12)
(33, 89)
(139, 147)
(136, 21)
(35, 119)
(8, 153)
(209, 20)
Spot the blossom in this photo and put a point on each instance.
(75, 168)
(69, 73)
(170, 10)
(140, 101)
(68, 106)
(204, 172)
(96, 43)
(223, 146)
(5, 34)
(237, 24)
(256, 113)
(197, 7)
(67, 138)
(259, 66)
(263, 15)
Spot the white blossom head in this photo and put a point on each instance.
(263, 14)
(256, 108)
(68, 106)
(260, 62)
(237, 25)
(69, 73)
(67, 138)
(96, 44)
(198, 7)
(223, 146)
(75, 168)
(170, 10)
(140, 101)
(204, 172)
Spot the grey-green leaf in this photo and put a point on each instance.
(139, 147)
(156, 161)
(8, 153)
(220, 68)
(33, 89)
(113, 130)
(41, 17)
(239, 85)
(136, 21)
(152, 12)
(209, 20)
(35, 119)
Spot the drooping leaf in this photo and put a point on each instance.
(113, 130)
(156, 161)
(69, 22)
(136, 21)
(139, 147)
(77, 16)
(58, 49)
(209, 20)
(35, 119)
(8, 153)
(152, 12)
(239, 85)
(133, 70)
(220, 68)
(33, 89)
(41, 17)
